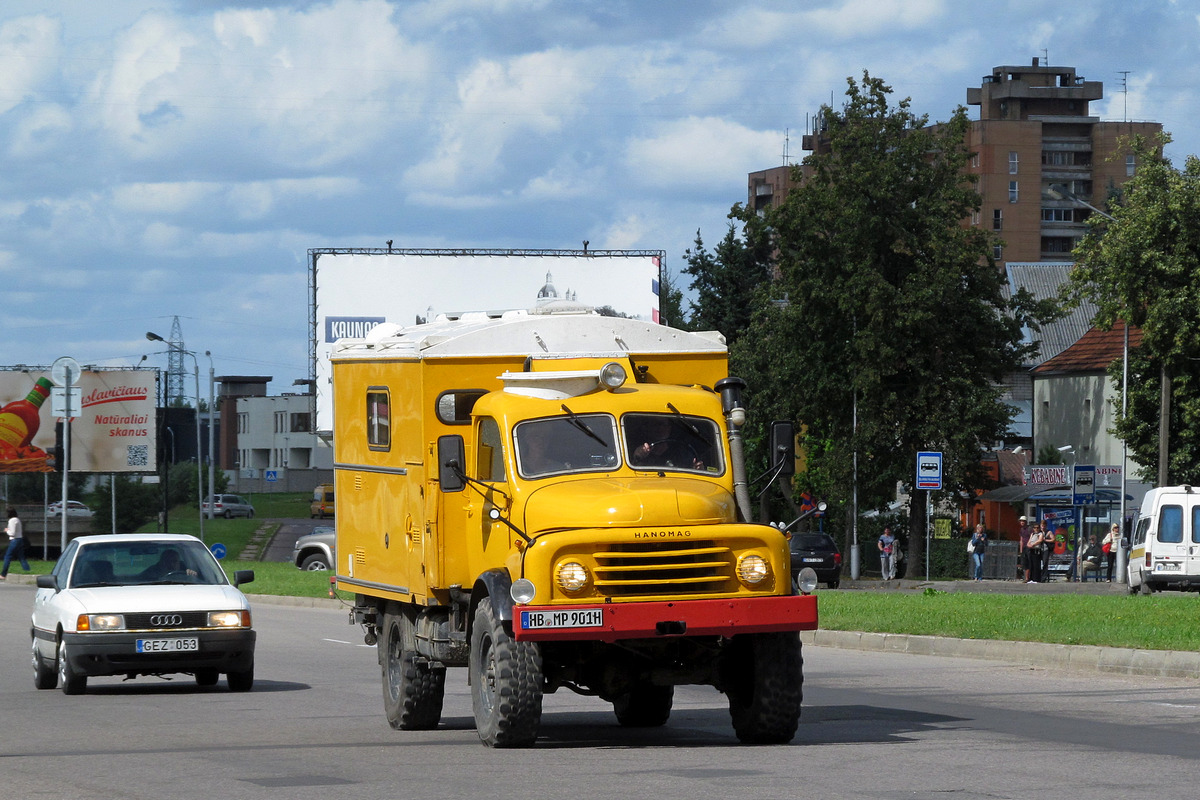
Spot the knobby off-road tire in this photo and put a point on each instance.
(506, 683)
(647, 706)
(763, 675)
(413, 689)
(45, 676)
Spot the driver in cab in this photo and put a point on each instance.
(659, 442)
(169, 563)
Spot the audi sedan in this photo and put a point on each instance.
(140, 604)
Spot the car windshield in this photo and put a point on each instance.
(574, 443)
(812, 541)
(672, 442)
(134, 563)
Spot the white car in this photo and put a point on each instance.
(74, 509)
(141, 604)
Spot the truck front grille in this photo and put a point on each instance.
(657, 568)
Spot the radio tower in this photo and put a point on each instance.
(175, 394)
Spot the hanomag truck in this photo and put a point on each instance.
(558, 501)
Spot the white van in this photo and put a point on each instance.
(1165, 550)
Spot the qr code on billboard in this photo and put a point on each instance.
(137, 455)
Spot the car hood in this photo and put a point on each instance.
(160, 597)
(615, 502)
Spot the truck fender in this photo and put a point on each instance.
(492, 587)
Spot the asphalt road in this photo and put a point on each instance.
(876, 724)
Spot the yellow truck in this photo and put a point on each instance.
(559, 501)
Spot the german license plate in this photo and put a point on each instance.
(168, 645)
(1167, 567)
(567, 618)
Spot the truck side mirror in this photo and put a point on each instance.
(451, 455)
(783, 447)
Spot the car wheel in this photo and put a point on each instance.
(413, 688)
(834, 583)
(762, 673)
(71, 681)
(241, 681)
(228, 515)
(506, 683)
(315, 563)
(646, 706)
(207, 677)
(44, 676)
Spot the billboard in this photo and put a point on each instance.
(352, 290)
(113, 431)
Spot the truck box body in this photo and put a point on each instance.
(482, 461)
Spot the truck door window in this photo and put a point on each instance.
(379, 421)
(1195, 524)
(1170, 525)
(672, 442)
(490, 458)
(557, 445)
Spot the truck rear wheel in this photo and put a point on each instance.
(646, 706)
(763, 675)
(506, 683)
(413, 689)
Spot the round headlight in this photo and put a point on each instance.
(523, 591)
(753, 569)
(572, 576)
(806, 581)
(612, 375)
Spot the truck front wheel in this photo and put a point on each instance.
(506, 683)
(413, 689)
(763, 676)
(645, 706)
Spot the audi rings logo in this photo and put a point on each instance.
(166, 620)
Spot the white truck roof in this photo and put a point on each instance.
(520, 333)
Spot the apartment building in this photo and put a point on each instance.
(1035, 131)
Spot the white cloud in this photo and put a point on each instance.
(29, 47)
(700, 152)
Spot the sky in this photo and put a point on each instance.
(164, 159)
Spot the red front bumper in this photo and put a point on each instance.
(665, 619)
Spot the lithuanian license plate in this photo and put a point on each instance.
(1167, 567)
(175, 645)
(567, 618)
(812, 560)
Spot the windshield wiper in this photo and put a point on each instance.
(574, 419)
(687, 423)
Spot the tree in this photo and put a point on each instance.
(886, 309)
(727, 282)
(1142, 265)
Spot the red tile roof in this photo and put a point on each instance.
(1094, 351)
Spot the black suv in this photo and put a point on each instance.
(816, 550)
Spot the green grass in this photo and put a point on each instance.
(1166, 621)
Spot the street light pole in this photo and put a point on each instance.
(212, 410)
(154, 337)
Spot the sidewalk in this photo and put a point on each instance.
(985, 586)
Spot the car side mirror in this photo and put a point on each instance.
(47, 582)
(783, 447)
(243, 576)
(451, 455)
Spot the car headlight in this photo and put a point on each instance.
(806, 581)
(229, 619)
(572, 576)
(522, 591)
(753, 569)
(100, 622)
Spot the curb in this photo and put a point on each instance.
(1089, 658)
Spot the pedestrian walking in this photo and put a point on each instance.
(16, 544)
(978, 548)
(887, 545)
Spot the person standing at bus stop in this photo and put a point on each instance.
(1112, 540)
(979, 543)
(887, 545)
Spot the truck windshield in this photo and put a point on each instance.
(672, 442)
(574, 443)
